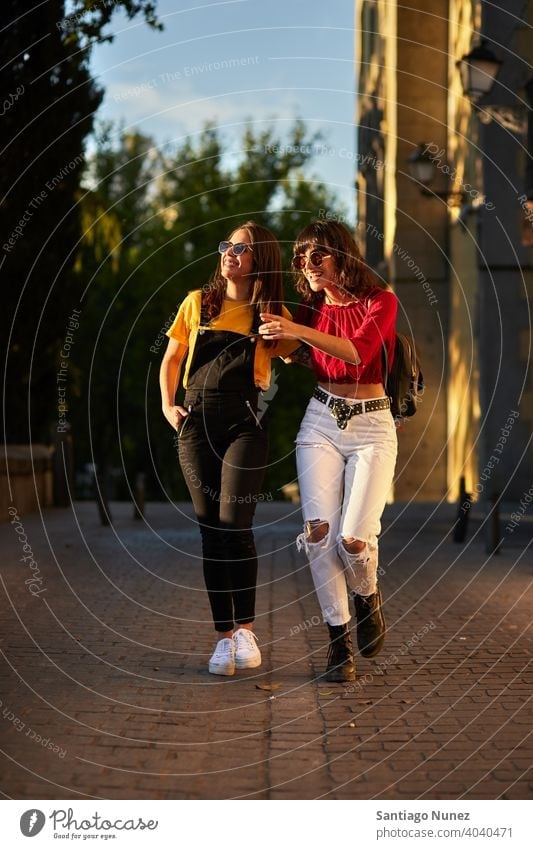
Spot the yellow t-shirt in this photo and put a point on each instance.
(236, 316)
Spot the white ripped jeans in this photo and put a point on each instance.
(345, 477)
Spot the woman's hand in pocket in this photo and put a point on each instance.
(175, 415)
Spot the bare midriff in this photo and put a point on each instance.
(357, 391)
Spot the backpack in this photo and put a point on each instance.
(404, 383)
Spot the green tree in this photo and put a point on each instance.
(49, 100)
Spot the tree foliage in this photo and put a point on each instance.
(48, 103)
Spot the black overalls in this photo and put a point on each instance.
(223, 454)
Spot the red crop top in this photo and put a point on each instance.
(367, 323)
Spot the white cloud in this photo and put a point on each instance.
(167, 110)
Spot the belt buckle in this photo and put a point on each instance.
(341, 412)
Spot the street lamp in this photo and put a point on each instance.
(478, 70)
(422, 167)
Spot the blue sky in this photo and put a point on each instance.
(239, 61)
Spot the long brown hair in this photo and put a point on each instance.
(267, 292)
(333, 238)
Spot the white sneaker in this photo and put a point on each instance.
(222, 661)
(247, 655)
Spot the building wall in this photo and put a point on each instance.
(465, 163)
(402, 101)
(374, 35)
(422, 239)
(462, 275)
(505, 268)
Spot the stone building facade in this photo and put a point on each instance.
(452, 251)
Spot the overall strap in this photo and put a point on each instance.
(256, 321)
(204, 319)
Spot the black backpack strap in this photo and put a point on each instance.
(384, 365)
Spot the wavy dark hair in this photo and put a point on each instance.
(334, 238)
(267, 292)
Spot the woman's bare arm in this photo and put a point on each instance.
(279, 327)
(169, 377)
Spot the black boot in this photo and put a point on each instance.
(370, 623)
(340, 656)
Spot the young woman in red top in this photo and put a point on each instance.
(346, 447)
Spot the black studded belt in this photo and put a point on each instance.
(342, 412)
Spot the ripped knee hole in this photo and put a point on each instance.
(353, 546)
(316, 530)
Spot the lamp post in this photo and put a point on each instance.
(421, 165)
(478, 70)
(422, 168)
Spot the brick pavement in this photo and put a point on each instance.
(105, 692)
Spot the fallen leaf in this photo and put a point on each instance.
(156, 668)
(326, 692)
(364, 701)
(407, 701)
(268, 687)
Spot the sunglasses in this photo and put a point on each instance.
(237, 249)
(315, 258)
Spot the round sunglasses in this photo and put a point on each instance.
(237, 249)
(315, 258)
